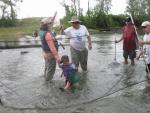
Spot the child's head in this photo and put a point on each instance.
(145, 25)
(64, 59)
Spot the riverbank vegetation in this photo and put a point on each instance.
(96, 19)
(99, 16)
(22, 27)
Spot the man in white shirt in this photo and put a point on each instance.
(78, 35)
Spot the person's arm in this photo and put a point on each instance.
(117, 41)
(66, 32)
(89, 38)
(141, 53)
(141, 42)
(51, 45)
(89, 42)
(62, 30)
(73, 66)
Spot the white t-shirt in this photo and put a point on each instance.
(77, 37)
(147, 47)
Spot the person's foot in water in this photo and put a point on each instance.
(125, 61)
(148, 76)
(132, 62)
(62, 89)
(1, 102)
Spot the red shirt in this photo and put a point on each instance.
(129, 37)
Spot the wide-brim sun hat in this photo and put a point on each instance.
(74, 19)
(47, 20)
(145, 23)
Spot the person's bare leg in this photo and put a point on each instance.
(67, 86)
(132, 62)
(125, 61)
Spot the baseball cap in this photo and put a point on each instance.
(145, 23)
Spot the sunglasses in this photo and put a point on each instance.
(75, 22)
(143, 26)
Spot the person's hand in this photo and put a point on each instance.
(141, 42)
(137, 58)
(59, 61)
(61, 29)
(46, 56)
(90, 46)
(116, 41)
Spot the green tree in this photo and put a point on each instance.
(139, 9)
(101, 11)
(12, 5)
(103, 6)
(3, 8)
(148, 7)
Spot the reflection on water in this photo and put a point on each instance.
(21, 70)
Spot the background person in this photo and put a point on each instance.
(129, 41)
(146, 29)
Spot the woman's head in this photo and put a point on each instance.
(64, 59)
(44, 27)
(46, 24)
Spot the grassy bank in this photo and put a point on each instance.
(29, 25)
(23, 27)
(26, 27)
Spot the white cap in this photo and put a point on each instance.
(46, 20)
(145, 23)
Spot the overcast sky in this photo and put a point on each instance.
(44, 8)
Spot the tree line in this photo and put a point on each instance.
(98, 17)
(8, 12)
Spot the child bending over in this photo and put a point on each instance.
(70, 72)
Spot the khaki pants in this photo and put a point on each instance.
(50, 66)
(79, 57)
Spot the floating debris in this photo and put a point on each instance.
(24, 52)
(114, 64)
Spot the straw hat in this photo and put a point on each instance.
(46, 20)
(74, 19)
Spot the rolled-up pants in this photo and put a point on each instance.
(79, 57)
(50, 67)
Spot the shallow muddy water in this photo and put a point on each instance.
(108, 87)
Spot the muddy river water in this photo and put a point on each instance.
(108, 87)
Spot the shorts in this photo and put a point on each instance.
(73, 79)
(129, 53)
